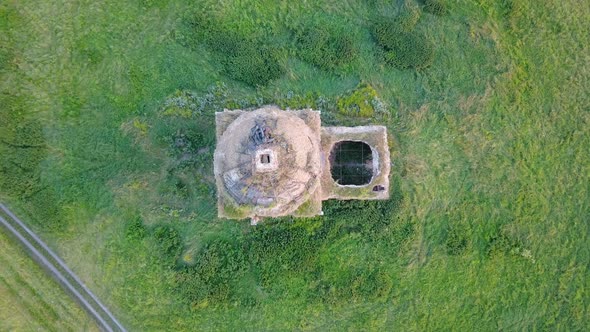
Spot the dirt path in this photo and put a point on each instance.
(53, 265)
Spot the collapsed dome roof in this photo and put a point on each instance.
(268, 161)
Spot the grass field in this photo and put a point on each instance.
(30, 300)
(487, 104)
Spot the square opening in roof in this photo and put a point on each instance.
(265, 158)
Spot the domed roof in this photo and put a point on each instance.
(268, 161)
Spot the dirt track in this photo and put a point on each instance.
(55, 267)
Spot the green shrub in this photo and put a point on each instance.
(373, 219)
(135, 229)
(325, 48)
(187, 104)
(225, 42)
(276, 247)
(408, 17)
(254, 65)
(502, 243)
(410, 50)
(186, 141)
(295, 101)
(169, 243)
(269, 249)
(435, 7)
(244, 58)
(211, 280)
(403, 49)
(456, 241)
(362, 102)
(385, 32)
(181, 188)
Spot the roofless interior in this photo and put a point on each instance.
(351, 163)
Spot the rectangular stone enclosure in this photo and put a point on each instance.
(270, 162)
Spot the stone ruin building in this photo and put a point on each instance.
(270, 162)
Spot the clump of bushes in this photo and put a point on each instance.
(262, 256)
(210, 280)
(243, 57)
(408, 17)
(325, 48)
(372, 219)
(184, 104)
(231, 272)
(362, 102)
(403, 49)
(186, 141)
(435, 7)
(254, 65)
(187, 104)
(169, 243)
(278, 247)
(502, 242)
(135, 229)
(456, 241)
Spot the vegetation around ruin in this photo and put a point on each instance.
(107, 139)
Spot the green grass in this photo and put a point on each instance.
(31, 300)
(487, 227)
